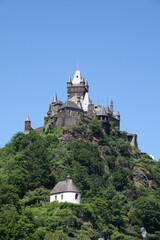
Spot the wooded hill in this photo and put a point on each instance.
(120, 187)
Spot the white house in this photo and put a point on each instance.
(66, 191)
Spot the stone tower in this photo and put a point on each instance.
(77, 88)
(28, 127)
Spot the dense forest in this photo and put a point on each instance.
(120, 187)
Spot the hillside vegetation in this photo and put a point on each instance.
(120, 188)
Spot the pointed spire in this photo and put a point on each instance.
(69, 80)
(86, 83)
(27, 119)
(108, 111)
(77, 77)
(118, 114)
(55, 97)
(111, 106)
(107, 108)
(85, 102)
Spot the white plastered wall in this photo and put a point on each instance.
(67, 197)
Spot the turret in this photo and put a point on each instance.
(111, 106)
(86, 86)
(108, 111)
(69, 81)
(118, 115)
(82, 81)
(28, 127)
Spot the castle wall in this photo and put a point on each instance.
(55, 108)
(66, 118)
(132, 139)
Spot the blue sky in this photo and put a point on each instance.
(115, 42)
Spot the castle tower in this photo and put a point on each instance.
(28, 127)
(77, 86)
(56, 104)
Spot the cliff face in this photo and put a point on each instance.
(119, 186)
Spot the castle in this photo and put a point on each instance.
(66, 114)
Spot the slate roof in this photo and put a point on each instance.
(28, 119)
(65, 186)
(101, 112)
(70, 104)
(58, 102)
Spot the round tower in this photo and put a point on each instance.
(28, 127)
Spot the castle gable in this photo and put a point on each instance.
(77, 78)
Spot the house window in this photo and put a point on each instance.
(61, 197)
(55, 198)
(76, 196)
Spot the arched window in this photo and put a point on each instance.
(55, 198)
(62, 197)
(76, 196)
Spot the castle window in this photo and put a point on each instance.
(61, 197)
(76, 196)
(55, 198)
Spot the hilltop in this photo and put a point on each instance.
(120, 186)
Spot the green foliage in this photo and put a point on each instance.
(96, 128)
(39, 195)
(46, 120)
(146, 212)
(103, 166)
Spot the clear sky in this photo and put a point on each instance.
(115, 42)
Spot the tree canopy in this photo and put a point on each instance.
(120, 187)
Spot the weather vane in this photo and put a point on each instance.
(77, 66)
